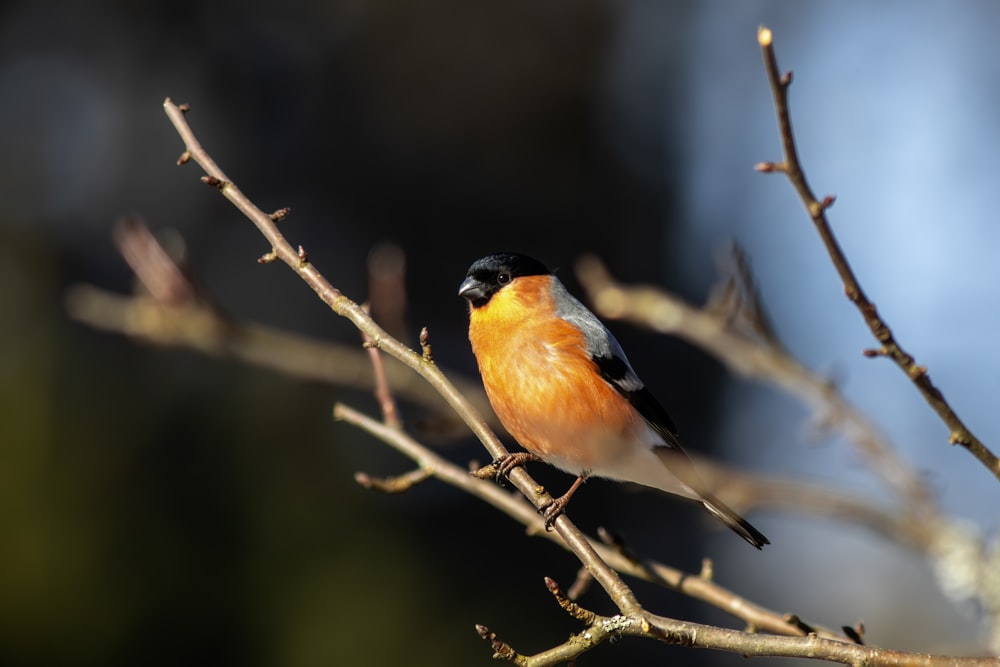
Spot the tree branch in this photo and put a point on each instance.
(696, 586)
(298, 261)
(204, 330)
(798, 639)
(634, 620)
(668, 631)
(889, 346)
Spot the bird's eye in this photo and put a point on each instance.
(503, 278)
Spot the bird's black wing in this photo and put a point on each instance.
(613, 365)
(619, 374)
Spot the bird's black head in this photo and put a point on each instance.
(488, 275)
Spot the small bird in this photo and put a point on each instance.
(562, 386)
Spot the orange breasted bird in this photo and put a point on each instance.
(564, 389)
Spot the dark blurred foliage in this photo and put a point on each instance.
(160, 507)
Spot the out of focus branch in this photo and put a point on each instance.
(204, 330)
(961, 557)
(749, 492)
(387, 303)
(889, 346)
(171, 309)
(752, 357)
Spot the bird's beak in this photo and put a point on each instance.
(471, 289)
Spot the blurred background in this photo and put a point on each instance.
(161, 506)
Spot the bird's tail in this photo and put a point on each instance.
(681, 466)
(735, 522)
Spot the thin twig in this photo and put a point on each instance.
(669, 631)
(387, 298)
(160, 274)
(298, 261)
(386, 402)
(890, 347)
(397, 484)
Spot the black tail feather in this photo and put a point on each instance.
(682, 467)
(735, 522)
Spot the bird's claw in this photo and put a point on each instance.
(506, 464)
(553, 509)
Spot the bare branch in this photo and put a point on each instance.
(397, 484)
(669, 631)
(160, 274)
(298, 261)
(633, 620)
(203, 330)
(610, 549)
(889, 346)
(387, 298)
(390, 414)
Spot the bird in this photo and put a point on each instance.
(561, 385)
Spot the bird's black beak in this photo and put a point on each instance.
(474, 291)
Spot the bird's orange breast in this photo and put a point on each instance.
(543, 384)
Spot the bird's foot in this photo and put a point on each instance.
(557, 506)
(506, 464)
(552, 510)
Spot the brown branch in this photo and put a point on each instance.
(695, 635)
(390, 414)
(889, 346)
(610, 550)
(158, 272)
(386, 304)
(298, 261)
(669, 631)
(397, 484)
(203, 330)
(173, 309)
(634, 620)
